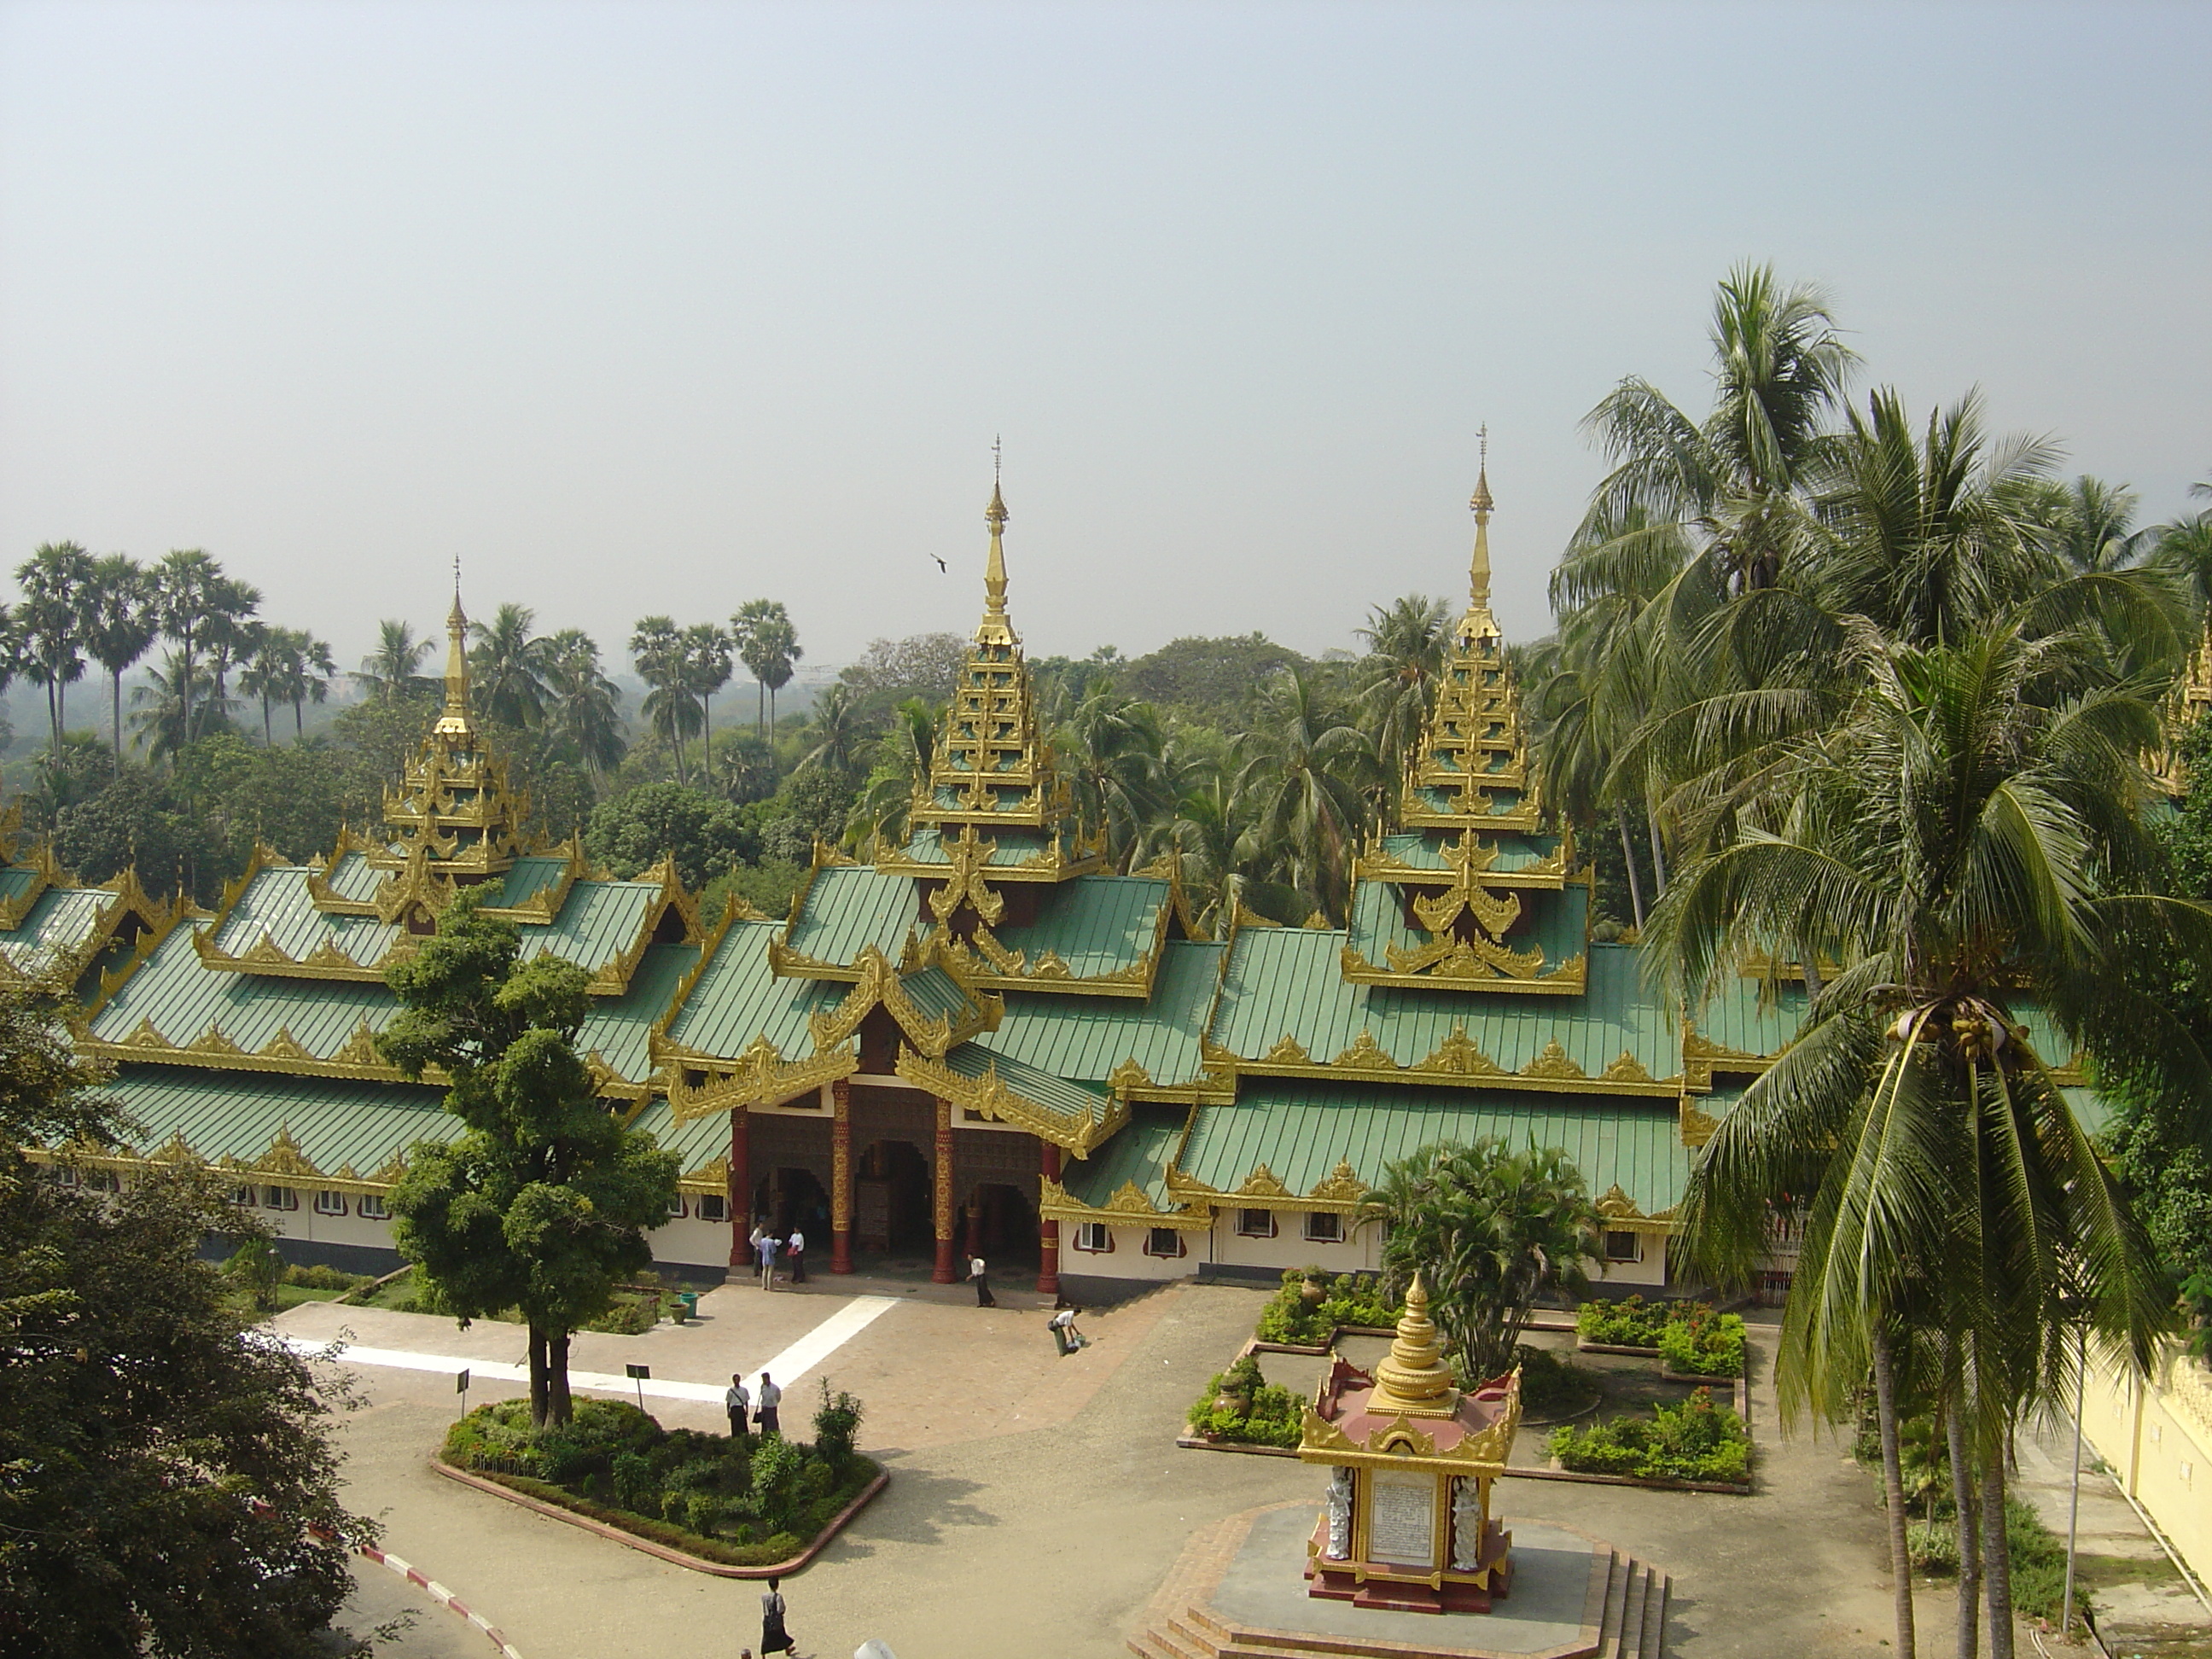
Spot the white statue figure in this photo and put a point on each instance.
(1339, 1515)
(1467, 1524)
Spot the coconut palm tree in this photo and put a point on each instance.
(885, 809)
(168, 721)
(120, 624)
(838, 735)
(1966, 845)
(394, 669)
(48, 624)
(1108, 750)
(506, 667)
(1304, 781)
(583, 707)
(1406, 643)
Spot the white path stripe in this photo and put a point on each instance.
(787, 1367)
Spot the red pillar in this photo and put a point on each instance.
(943, 1273)
(840, 1176)
(1048, 1231)
(741, 1194)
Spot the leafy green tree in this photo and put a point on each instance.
(1489, 1229)
(705, 836)
(1207, 678)
(176, 707)
(924, 665)
(543, 1204)
(165, 1472)
(139, 819)
(838, 737)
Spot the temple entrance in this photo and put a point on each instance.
(793, 1198)
(891, 1190)
(1000, 1225)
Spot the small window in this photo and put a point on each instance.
(102, 1180)
(1256, 1224)
(62, 1175)
(329, 1204)
(676, 1209)
(1324, 1227)
(241, 1195)
(372, 1208)
(1623, 1246)
(1163, 1241)
(279, 1198)
(714, 1206)
(1094, 1235)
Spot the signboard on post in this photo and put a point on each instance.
(639, 1375)
(461, 1388)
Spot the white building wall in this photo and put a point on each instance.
(1362, 1251)
(1127, 1260)
(1647, 1274)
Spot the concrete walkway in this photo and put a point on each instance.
(1037, 1503)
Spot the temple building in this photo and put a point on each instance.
(982, 1038)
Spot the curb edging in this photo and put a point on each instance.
(651, 1546)
(438, 1592)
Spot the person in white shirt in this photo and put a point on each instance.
(765, 1417)
(737, 1404)
(795, 1248)
(977, 1276)
(1063, 1332)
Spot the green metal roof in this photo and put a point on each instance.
(1301, 1131)
(1097, 924)
(935, 993)
(338, 1124)
(1139, 1153)
(62, 918)
(1424, 849)
(599, 921)
(1560, 922)
(850, 907)
(276, 902)
(1011, 845)
(1759, 1016)
(696, 1144)
(527, 878)
(619, 1029)
(352, 877)
(737, 999)
(15, 880)
(183, 999)
(1087, 1037)
(1284, 982)
(1069, 1100)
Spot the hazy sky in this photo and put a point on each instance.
(647, 307)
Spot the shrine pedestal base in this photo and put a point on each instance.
(1377, 1584)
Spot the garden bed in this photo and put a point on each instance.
(1693, 1342)
(740, 1506)
(1696, 1442)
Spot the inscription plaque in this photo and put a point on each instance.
(1401, 1518)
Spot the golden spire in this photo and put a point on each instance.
(994, 628)
(1414, 1381)
(454, 722)
(1481, 502)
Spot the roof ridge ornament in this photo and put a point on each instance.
(995, 628)
(1478, 623)
(454, 721)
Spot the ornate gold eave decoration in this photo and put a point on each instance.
(880, 984)
(1618, 1212)
(1702, 1057)
(1458, 1061)
(1456, 970)
(325, 962)
(1337, 1192)
(989, 962)
(542, 907)
(283, 1160)
(990, 1095)
(66, 961)
(759, 1076)
(1131, 1081)
(183, 912)
(1050, 865)
(1403, 1443)
(45, 871)
(1466, 864)
(1126, 1207)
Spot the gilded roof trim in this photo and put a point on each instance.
(879, 984)
(760, 1076)
(990, 1095)
(1456, 966)
(1337, 1192)
(1128, 1207)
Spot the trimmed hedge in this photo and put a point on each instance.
(1695, 1440)
(1630, 1322)
(1261, 1413)
(746, 1501)
(1352, 1300)
(1702, 1343)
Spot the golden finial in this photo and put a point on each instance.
(453, 722)
(1414, 1381)
(1481, 502)
(995, 629)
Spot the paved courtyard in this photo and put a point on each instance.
(1035, 1504)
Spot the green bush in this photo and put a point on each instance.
(1632, 1323)
(1551, 1386)
(747, 1501)
(2039, 1557)
(1243, 1405)
(325, 1279)
(1350, 1299)
(1695, 1440)
(1703, 1343)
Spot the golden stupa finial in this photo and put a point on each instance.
(995, 629)
(1481, 502)
(1414, 1381)
(453, 722)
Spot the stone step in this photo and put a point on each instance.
(1626, 1636)
(1153, 1645)
(1655, 1617)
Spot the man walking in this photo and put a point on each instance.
(767, 1247)
(765, 1419)
(738, 1404)
(978, 1275)
(794, 1248)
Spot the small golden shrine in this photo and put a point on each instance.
(1407, 1527)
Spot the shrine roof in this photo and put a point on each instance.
(738, 997)
(1084, 1038)
(352, 877)
(847, 907)
(1056, 1094)
(1011, 845)
(1424, 849)
(936, 992)
(276, 903)
(338, 1124)
(1300, 1131)
(619, 1029)
(1286, 982)
(60, 920)
(528, 877)
(702, 1144)
(600, 921)
(1137, 1156)
(1558, 929)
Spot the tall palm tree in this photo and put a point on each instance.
(885, 810)
(583, 707)
(310, 676)
(1108, 750)
(1780, 369)
(706, 671)
(168, 721)
(656, 646)
(1964, 845)
(274, 652)
(49, 625)
(394, 669)
(506, 667)
(230, 631)
(119, 623)
(778, 643)
(1406, 644)
(767, 644)
(838, 735)
(1306, 773)
(1205, 825)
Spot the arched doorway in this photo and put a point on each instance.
(794, 1198)
(1001, 1225)
(892, 1189)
